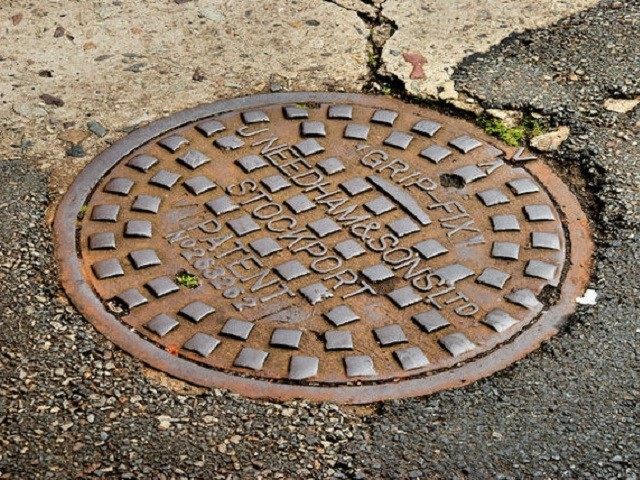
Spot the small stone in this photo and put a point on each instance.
(210, 13)
(589, 298)
(621, 105)
(51, 100)
(198, 75)
(97, 128)
(28, 110)
(448, 91)
(548, 142)
(76, 151)
(73, 135)
(16, 19)
(511, 118)
(58, 32)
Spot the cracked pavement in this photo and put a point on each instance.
(72, 405)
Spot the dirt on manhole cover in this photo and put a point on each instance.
(322, 246)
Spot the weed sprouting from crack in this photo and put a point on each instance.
(187, 279)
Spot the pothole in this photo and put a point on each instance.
(283, 251)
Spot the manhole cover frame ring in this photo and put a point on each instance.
(91, 307)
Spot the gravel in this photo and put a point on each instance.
(74, 406)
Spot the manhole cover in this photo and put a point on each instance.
(323, 246)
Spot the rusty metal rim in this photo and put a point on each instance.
(86, 301)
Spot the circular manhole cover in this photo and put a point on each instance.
(322, 246)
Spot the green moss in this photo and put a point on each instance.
(187, 279)
(82, 211)
(513, 136)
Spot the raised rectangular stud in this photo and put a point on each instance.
(265, 246)
(255, 116)
(426, 127)
(384, 117)
(430, 248)
(239, 329)
(144, 258)
(221, 205)
(403, 226)
(469, 173)
(299, 203)
(380, 205)
(107, 268)
(430, 321)
(377, 273)
(138, 229)
(209, 127)
(404, 296)
(301, 367)
(102, 241)
(540, 269)
(142, 163)
(315, 293)
(324, 226)
(411, 358)
(525, 298)
(196, 311)
(165, 179)
(201, 343)
(291, 270)
(349, 249)
(435, 153)
(309, 146)
(492, 197)
(275, 183)
(399, 140)
(193, 159)
(131, 298)
(173, 142)
(341, 315)
(550, 241)
(285, 338)
(505, 250)
(250, 358)
(356, 131)
(493, 277)
(343, 112)
(312, 129)
(359, 366)
(243, 225)
(538, 213)
(250, 163)
(199, 185)
(505, 223)
(161, 324)
(119, 186)
(230, 142)
(146, 203)
(105, 213)
(522, 186)
(162, 286)
(331, 166)
(294, 113)
(499, 320)
(338, 340)
(355, 186)
(390, 335)
(457, 344)
(465, 143)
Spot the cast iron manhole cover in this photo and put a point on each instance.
(323, 246)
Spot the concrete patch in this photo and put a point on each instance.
(446, 32)
(115, 62)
